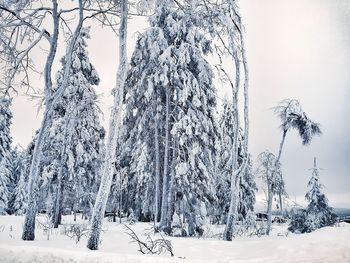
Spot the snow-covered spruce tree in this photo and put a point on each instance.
(20, 196)
(144, 88)
(137, 144)
(247, 189)
(116, 202)
(193, 131)
(246, 185)
(4, 178)
(75, 140)
(5, 123)
(85, 136)
(51, 160)
(5, 151)
(223, 163)
(318, 213)
(17, 168)
(168, 70)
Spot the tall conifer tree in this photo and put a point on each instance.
(5, 151)
(170, 79)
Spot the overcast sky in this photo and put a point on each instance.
(296, 49)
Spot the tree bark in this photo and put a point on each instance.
(58, 204)
(157, 179)
(269, 208)
(171, 193)
(29, 220)
(233, 201)
(108, 165)
(59, 193)
(164, 208)
(277, 162)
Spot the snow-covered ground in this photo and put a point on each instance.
(331, 244)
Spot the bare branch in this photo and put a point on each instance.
(24, 22)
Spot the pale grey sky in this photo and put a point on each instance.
(296, 49)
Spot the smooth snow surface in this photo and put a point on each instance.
(330, 244)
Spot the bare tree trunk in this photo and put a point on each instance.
(59, 194)
(29, 221)
(52, 51)
(157, 179)
(108, 165)
(171, 193)
(269, 208)
(236, 173)
(58, 204)
(281, 203)
(277, 162)
(233, 201)
(120, 198)
(164, 208)
(281, 146)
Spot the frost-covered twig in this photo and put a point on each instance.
(150, 246)
(76, 231)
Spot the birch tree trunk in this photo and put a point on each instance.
(108, 165)
(232, 215)
(29, 221)
(164, 208)
(233, 202)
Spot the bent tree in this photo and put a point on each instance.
(292, 117)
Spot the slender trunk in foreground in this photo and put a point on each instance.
(29, 220)
(108, 165)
